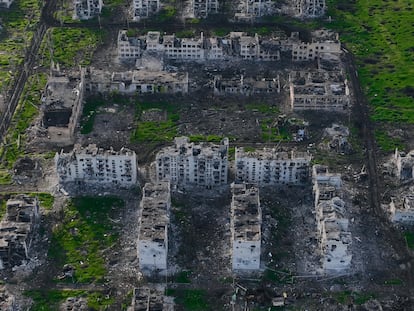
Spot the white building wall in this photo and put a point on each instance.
(246, 255)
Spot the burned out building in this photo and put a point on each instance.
(137, 82)
(200, 8)
(144, 8)
(249, 10)
(86, 9)
(153, 231)
(269, 167)
(151, 298)
(319, 90)
(404, 163)
(17, 230)
(129, 47)
(246, 220)
(61, 107)
(245, 86)
(191, 164)
(401, 209)
(93, 165)
(333, 234)
(305, 8)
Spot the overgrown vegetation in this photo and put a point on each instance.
(347, 297)
(263, 108)
(274, 133)
(71, 47)
(156, 131)
(379, 34)
(205, 138)
(26, 111)
(84, 233)
(387, 143)
(49, 300)
(189, 299)
(409, 239)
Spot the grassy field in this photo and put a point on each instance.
(156, 131)
(71, 46)
(379, 34)
(83, 234)
(189, 299)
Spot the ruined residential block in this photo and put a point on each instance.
(200, 8)
(153, 231)
(246, 219)
(322, 42)
(144, 8)
(16, 229)
(6, 3)
(137, 82)
(269, 167)
(249, 10)
(401, 210)
(319, 90)
(332, 225)
(86, 9)
(237, 45)
(404, 163)
(151, 299)
(246, 86)
(191, 164)
(334, 237)
(93, 165)
(61, 107)
(305, 8)
(326, 185)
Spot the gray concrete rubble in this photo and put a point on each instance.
(151, 297)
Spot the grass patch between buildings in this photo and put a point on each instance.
(83, 234)
(189, 299)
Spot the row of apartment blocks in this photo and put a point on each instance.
(333, 234)
(245, 226)
(17, 230)
(235, 45)
(184, 164)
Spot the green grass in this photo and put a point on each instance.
(183, 277)
(272, 133)
(387, 143)
(156, 131)
(379, 33)
(346, 297)
(84, 233)
(49, 300)
(393, 282)
(205, 138)
(89, 112)
(71, 46)
(189, 299)
(409, 238)
(5, 177)
(46, 200)
(26, 111)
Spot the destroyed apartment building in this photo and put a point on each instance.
(137, 82)
(246, 220)
(93, 165)
(86, 9)
(153, 229)
(237, 45)
(151, 298)
(200, 8)
(61, 108)
(142, 9)
(401, 208)
(191, 164)
(319, 90)
(404, 164)
(245, 85)
(334, 237)
(269, 167)
(17, 229)
(249, 10)
(305, 8)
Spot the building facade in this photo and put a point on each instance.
(86, 9)
(93, 165)
(144, 8)
(246, 219)
(191, 164)
(268, 167)
(153, 232)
